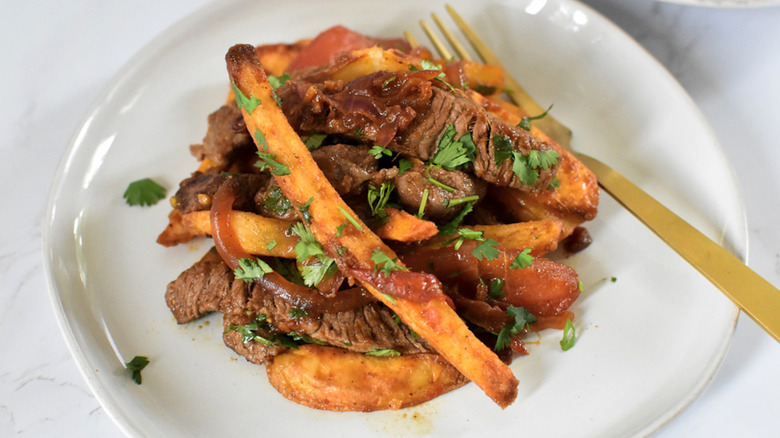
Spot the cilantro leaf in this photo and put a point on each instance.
(314, 141)
(378, 197)
(487, 249)
(523, 260)
(522, 168)
(543, 159)
(423, 203)
(304, 210)
(377, 151)
(569, 335)
(525, 122)
(250, 270)
(403, 166)
(502, 148)
(268, 160)
(349, 218)
(451, 153)
(276, 202)
(451, 227)
(277, 82)
(135, 366)
(522, 318)
(496, 288)
(307, 246)
(247, 103)
(144, 192)
(388, 265)
(314, 273)
(297, 312)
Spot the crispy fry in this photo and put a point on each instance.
(276, 57)
(339, 380)
(573, 202)
(176, 231)
(433, 319)
(257, 234)
(405, 227)
(541, 236)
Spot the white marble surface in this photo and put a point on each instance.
(58, 56)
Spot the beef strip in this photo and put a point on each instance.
(362, 325)
(253, 351)
(412, 184)
(408, 113)
(195, 193)
(346, 167)
(226, 135)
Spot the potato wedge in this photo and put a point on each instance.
(258, 235)
(303, 183)
(541, 236)
(402, 226)
(335, 379)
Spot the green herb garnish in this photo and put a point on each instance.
(349, 217)
(525, 122)
(377, 151)
(523, 260)
(268, 160)
(383, 262)
(314, 141)
(144, 192)
(569, 335)
(378, 197)
(247, 103)
(451, 153)
(522, 318)
(250, 270)
(136, 365)
(387, 352)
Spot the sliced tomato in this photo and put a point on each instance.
(326, 46)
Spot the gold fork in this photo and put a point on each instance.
(755, 296)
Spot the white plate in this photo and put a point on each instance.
(647, 343)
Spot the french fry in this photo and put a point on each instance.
(541, 236)
(303, 183)
(258, 235)
(335, 379)
(405, 227)
(276, 57)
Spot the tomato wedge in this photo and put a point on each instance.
(326, 46)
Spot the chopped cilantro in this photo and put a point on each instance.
(554, 184)
(314, 141)
(451, 227)
(387, 352)
(349, 218)
(378, 197)
(440, 184)
(247, 103)
(314, 273)
(487, 249)
(276, 202)
(277, 82)
(524, 166)
(430, 65)
(388, 81)
(451, 153)
(543, 159)
(288, 269)
(457, 201)
(388, 265)
(377, 151)
(423, 202)
(268, 160)
(403, 166)
(307, 246)
(389, 297)
(135, 366)
(271, 245)
(340, 229)
(463, 234)
(304, 210)
(523, 260)
(144, 192)
(522, 318)
(496, 288)
(250, 270)
(247, 332)
(305, 338)
(525, 122)
(296, 313)
(569, 335)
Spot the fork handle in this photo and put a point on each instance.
(755, 296)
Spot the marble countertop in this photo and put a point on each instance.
(60, 55)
